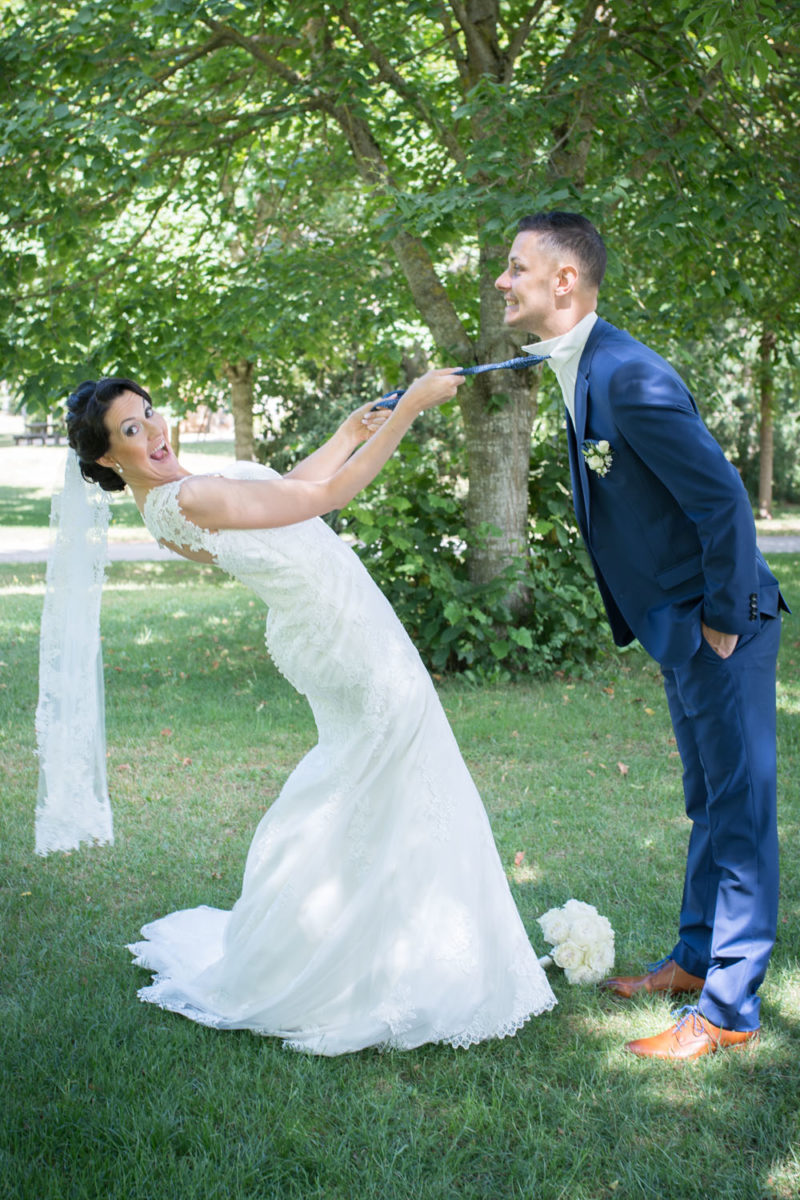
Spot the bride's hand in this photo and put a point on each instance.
(364, 421)
(431, 389)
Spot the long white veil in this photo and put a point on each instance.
(73, 804)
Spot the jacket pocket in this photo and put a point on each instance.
(673, 576)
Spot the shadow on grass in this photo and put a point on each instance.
(105, 1096)
(145, 1103)
(29, 508)
(24, 506)
(723, 1126)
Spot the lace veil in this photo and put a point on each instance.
(73, 804)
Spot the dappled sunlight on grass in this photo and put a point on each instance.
(24, 506)
(788, 697)
(782, 988)
(22, 589)
(202, 732)
(526, 872)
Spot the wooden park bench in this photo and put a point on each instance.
(41, 432)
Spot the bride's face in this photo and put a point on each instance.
(138, 447)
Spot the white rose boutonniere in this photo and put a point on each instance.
(599, 455)
(582, 941)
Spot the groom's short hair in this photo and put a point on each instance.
(570, 231)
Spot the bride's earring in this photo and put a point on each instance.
(118, 469)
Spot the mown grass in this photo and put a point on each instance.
(785, 519)
(105, 1097)
(31, 474)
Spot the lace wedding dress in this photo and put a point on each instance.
(374, 909)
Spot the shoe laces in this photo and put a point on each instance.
(656, 966)
(681, 1016)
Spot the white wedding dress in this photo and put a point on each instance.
(374, 908)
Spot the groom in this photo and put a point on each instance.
(670, 533)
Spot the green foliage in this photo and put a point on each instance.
(571, 620)
(188, 184)
(409, 529)
(315, 399)
(738, 36)
(723, 376)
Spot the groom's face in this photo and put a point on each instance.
(529, 285)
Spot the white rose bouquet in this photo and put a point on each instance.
(582, 941)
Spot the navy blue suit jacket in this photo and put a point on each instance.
(669, 528)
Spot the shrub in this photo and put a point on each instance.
(409, 529)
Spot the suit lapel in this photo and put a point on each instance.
(581, 477)
(580, 489)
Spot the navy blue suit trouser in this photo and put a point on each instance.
(723, 714)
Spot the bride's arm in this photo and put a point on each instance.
(217, 503)
(327, 459)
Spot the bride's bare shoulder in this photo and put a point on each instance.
(200, 494)
(220, 501)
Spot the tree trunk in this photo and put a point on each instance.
(497, 432)
(498, 410)
(766, 401)
(240, 376)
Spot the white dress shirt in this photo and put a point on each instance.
(565, 354)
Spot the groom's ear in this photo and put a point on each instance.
(566, 280)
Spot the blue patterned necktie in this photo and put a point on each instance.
(389, 400)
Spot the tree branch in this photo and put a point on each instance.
(518, 38)
(210, 46)
(430, 295)
(231, 36)
(388, 73)
(451, 37)
(275, 112)
(478, 22)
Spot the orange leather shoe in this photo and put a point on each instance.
(691, 1037)
(664, 976)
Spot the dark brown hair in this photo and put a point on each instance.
(570, 231)
(86, 426)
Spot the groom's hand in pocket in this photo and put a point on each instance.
(722, 644)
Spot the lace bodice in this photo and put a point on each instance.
(265, 559)
(329, 630)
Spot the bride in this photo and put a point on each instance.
(374, 910)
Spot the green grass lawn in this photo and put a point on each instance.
(30, 474)
(785, 519)
(104, 1097)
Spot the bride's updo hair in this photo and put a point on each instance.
(86, 427)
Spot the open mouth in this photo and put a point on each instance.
(161, 452)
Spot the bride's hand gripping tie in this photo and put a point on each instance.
(430, 390)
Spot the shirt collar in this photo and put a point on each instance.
(563, 348)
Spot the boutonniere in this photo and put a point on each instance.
(599, 455)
